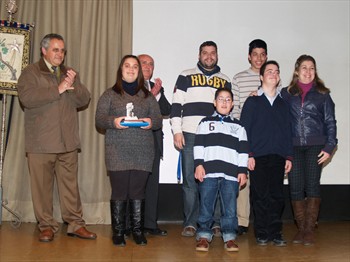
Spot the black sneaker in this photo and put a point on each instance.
(155, 231)
(279, 242)
(242, 230)
(262, 241)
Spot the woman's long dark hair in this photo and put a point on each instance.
(140, 79)
(294, 88)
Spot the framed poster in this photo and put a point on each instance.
(14, 54)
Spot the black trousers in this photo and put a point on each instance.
(152, 188)
(266, 185)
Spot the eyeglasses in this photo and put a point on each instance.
(224, 100)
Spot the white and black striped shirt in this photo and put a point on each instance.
(221, 146)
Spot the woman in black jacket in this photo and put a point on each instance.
(314, 139)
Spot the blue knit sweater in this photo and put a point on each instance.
(268, 127)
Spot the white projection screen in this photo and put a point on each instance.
(171, 32)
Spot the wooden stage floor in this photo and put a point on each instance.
(21, 244)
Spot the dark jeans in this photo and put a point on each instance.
(217, 213)
(209, 190)
(189, 186)
(304, 179)
(266, 186)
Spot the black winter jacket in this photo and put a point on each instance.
(313, 122)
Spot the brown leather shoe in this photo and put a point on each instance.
(46, 235)
(202, 245)
(83, 233)
(231, 246)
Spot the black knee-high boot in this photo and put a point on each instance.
(137, 211)
(118, 208)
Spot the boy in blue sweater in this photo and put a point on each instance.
(266, 120)
(220, 158)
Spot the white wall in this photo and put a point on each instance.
(171, 31)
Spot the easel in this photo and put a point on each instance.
(8, 87)
(16, 221)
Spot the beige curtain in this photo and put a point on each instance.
(97, 34)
